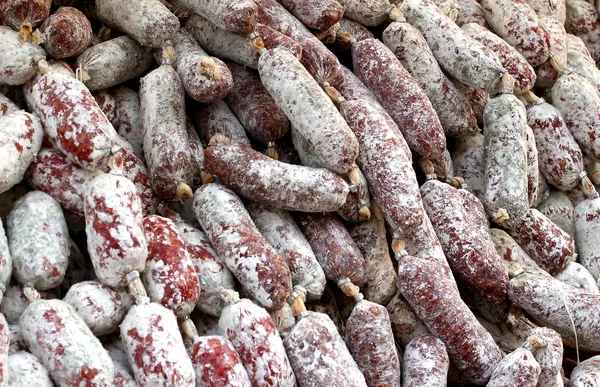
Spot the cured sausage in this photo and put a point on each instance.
(7, 106)
(150, 22)
(258, 267)
(127, 108)
(25, 369)
(518, 368)
(280, 230)
(66, 33)
(451, 106)
(315, 117)
(342, 46)
(470, 11)
(281, 185)
(586, 373)
(580, 60)
(23, 15)
(582, 20)
(579, 277)
(559, 209)
(316, 14)
(369, 14)
(59, 337)
(239, 17)
(18, 62)
(549, 357)
(216, 363)
(216, 119)
(113, 62)
(469, 163)
(533, 170)
(123, 376)
(554, 8)
(380, 70)
(425, 362)
(170, 277)
(107, 104)
(546, 73)
(587, 231)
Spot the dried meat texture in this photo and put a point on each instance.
(549, 246)
(5, 264)
(372, 344)
(38, 239)
(256, 265)
(108, 105)
(437, 303)
(254, 107)
(113, 62)
(14, 301)
(518, 24)
(61, 340)
(555, 8)
(271, 182)
(452, 108)
(475, 212)
(334, 248)
(280, 230)
(155, 347)
(66, 33)
(254, 336)
(505, 153)
(587, 373)
(234, 47)
(577, 100)
(587, 231)
(558, 306)
(533, 170)
(405, 323)
(24, 369)
(367, 13)
(113, 204)
(237, 16)
(22, 15)
(216, 363)
(127, 107)
(18, 61)
(516, 65)
(546, 74)
(196, 152)
(381, 71)
(53, 173)
(578, 276)
(477, 98)
(549, 357)
(123, 377)
(580, 60)
(354, 89)
(72, 118)
(166, 146)
(560, 159)
(583, 21)
(20, 141)
(101, 307)
(316, 14)
(169, 276)
(309, 109)
(464, 58)
(469, 163)
(518, 368)
(7, 106)
(470, 253)
(509, 250)
(343, 49)
(559, 209)
(470, 11)
(204, 77)
(217, 119)
(149, 22)
(425, 362)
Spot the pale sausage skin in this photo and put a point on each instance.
(216, 363)
(25, 369)
(587, 231)
(425, 362)
(518, 368)
(66, 33)
(237, 16)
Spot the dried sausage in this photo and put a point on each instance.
(237, 16)
(24, 369)
(582, 20)
(216, 363)
(18, 62)
(108, 105)
(367, 13)
(546, 73)
(586, 373)
(216, 118)
(123, 376)
(580, 60)
(470, 11)
(559, 209)
(549, 357)
(127, 106)
(66, 33)
(425, 362)
(23, 15)
(587, 231)
(518, 368)
(579, 277)
(469, 163)
(316, 14)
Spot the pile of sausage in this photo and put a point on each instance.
(312, 193)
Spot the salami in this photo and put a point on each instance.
(112, 62)
(123, 376)
(127, 108)
(74, 356)
(470, 11)
(578, 276)
(425, 362)
(150, 22)
(254, 107)
(107, 104)
(112, 203)
(66, 33)
(369, 14)
(155, 347)
(101, 307)
(280, 185)
(557, 306)
(586, 373)
(546, 73)
(559, 209)
(464, 58)
(580, 60)
(342, 46)
(380, 70)
(555, 8)
(18, 62)
(166, 145)
(216, 119)
(517, 23)
(24, 368)
(319, 15)
(533, 170)
(309, 109)
(587, 230)
(258, 267)
(216, 363)
(253, 335)
(239, 17)
(451, 106)
(549, 357)
(469, 163)
(518, 368)
(23, 15)
(582, 20)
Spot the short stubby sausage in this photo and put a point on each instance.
(18, 59)
(425, 362)
(25, 369)
(66, 33)
(127, 107)
(316, 14)
(518, 368)
(586, 373)
(217, 363)
(23, 15)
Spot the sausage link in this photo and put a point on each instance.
(217, 119)
(258, 267)
(510, 251)
(280, 230)
(516, 65)
(425, 362)
(469, 163)
(587, 230)
(24, 369)
(18, 58)
(108, 105)
(59, 337)
(23, 15)
(451, 106)
(239, 17)
(113, 62)
(583, 21)
(554, 8)
(380, 70)
(315, 117)
(216, 363)
(170, 276)
(517, 23)
(546, 74)
(470, 11)
(464, 58)
(477, 98)
(405, 323)
(66, 33)
(111, 203)
(123, 377)
(367, 13)
(586, 373)
(316, 14)
(155, 347)
(559, 209)
(253, 335)
(558, 306)
(353, 210)
(333, 246)
(372, 344)
(127, 108)
(470, 347)
(342, 48)
(579, 277)
(549, 357)
(166, 145)
(353, 89)
(150, 22)
(580, 60)
(271, 182)
(518, 368)
(101, 307)
(7, 106)
(235, 47)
